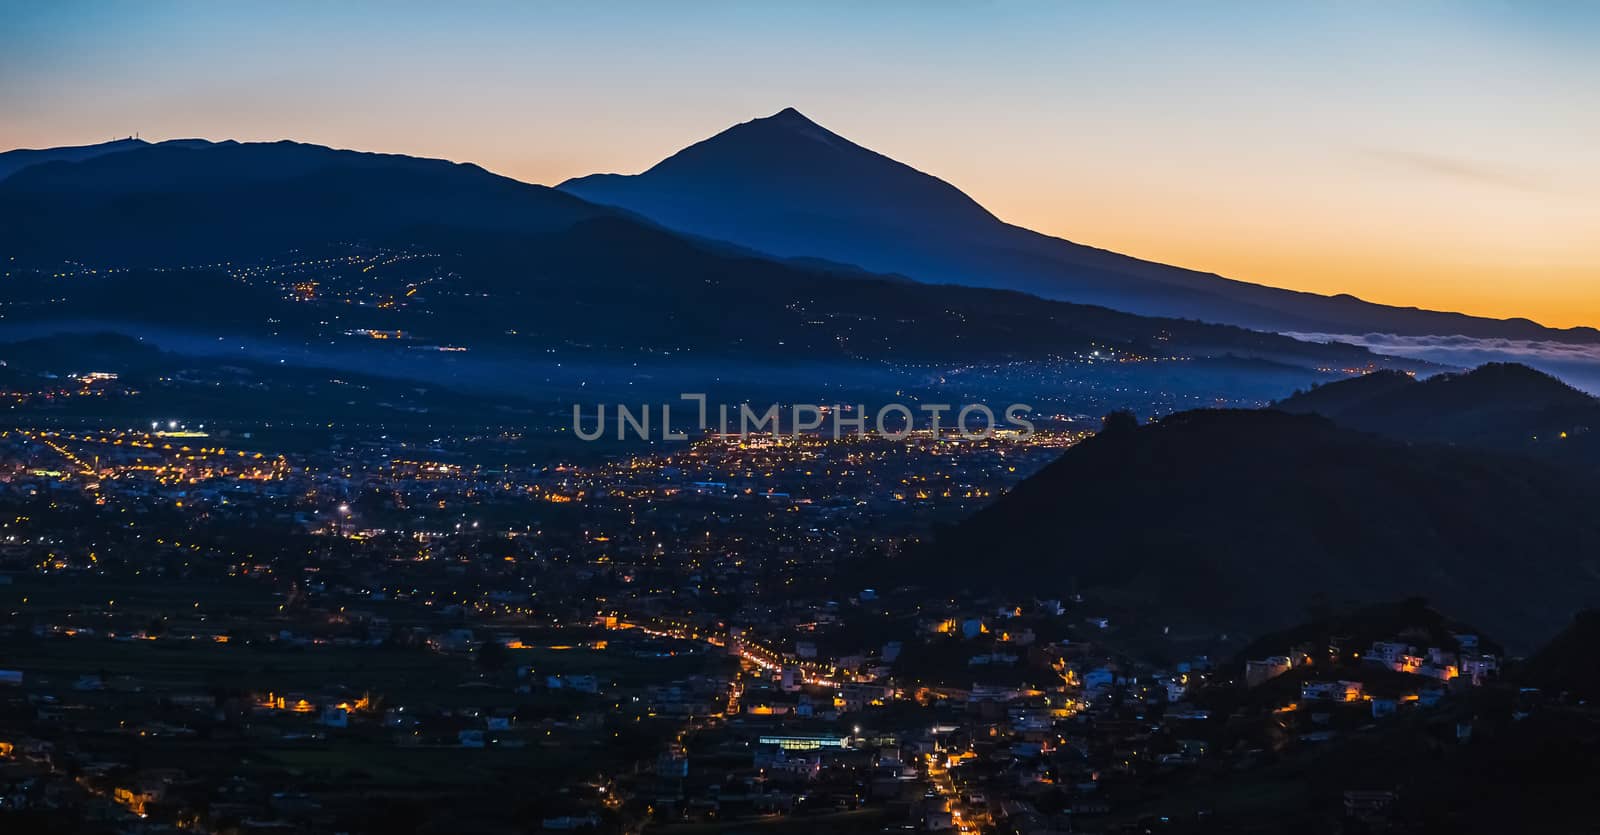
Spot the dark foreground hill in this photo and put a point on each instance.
(1570, 663)
(1245, 521)
(1484, 759)
(1499, 405)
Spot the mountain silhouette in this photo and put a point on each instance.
(1569, 662)
(788, 186)
(799, 168)
(13, 161)
(513, 267)
(174, 203)
(1244, 521)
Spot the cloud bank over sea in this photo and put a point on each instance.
(1576, 363)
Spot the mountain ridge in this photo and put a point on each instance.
(511, 266)
(1241, 522)
(144, 205)
(715, 187)
(16, 160)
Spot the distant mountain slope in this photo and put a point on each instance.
(1499, 405)
(1241, 521)
(787, 186)
(13, 161)
(511, 266)
(615, 288)
(174, 204)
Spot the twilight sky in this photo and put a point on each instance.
(1431, 154)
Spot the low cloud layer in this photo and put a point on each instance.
(1577, 364)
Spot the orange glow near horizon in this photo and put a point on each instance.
(1407, 235)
